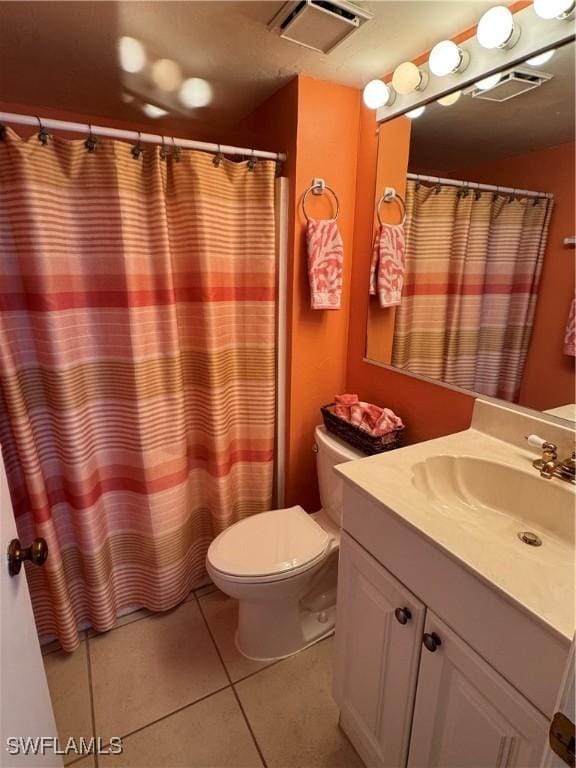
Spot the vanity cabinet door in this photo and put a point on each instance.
(466, 714)
(379, 629)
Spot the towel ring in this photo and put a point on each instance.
(324, 188)
(389, 196)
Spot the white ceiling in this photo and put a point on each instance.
(64, 54)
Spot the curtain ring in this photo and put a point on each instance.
(163, 151)
(43, 134)
(477, 193)
(511, 197)
(536, 202)
(218, 157)
(91, 141)
(418, 182)
(177, 152)
(495, 194)
(137, 149)
(437, 188)
(278, 165)
(252, 162)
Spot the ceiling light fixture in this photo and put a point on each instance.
(452, 98)
(446, 58)
(415, 113)
(151, 110)
(167, 74)
(554, 9)
(489, 82)
(377, 94)
(131, 54)
(195, 92)
(542, 58)
(408, 77)
(496, 29)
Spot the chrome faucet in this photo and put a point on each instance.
(548, 465)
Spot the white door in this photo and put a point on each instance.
(25, 706)
(564, 718)
(466, 715)
(379, 626)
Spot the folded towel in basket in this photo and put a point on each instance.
(367, 416)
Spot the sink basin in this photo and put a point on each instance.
(513, 499)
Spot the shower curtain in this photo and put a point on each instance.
(473, 263)
(137, 333)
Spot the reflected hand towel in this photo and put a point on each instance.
(570, 335)
(387, 268)
(325, 263)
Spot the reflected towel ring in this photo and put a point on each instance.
(324, 188)
(389, 197)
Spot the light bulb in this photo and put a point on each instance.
(445, 58)
(151, 110)
(452, 98)
(195, 92)
(376, 94)
(167, 74)
(407, 78)
(489, 82)
(543, 58)
(496, 29)
(554, 9)
(414, 113)
(132, 54)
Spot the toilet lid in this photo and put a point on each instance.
(269, 543)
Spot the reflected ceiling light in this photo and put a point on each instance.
(408, 77)
(543, 58)
(446, 58)
(195, 92)
(554, 9)
(452, 98)
(132, 54)
(151, 110)
(414, 113)
(496, 29)
(167, 74)
(377, 94)
(489, 82)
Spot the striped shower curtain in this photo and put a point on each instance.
(473, 263)
(137, 338)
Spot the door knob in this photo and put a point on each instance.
(403, 615)
(431, 641)
(37, 553)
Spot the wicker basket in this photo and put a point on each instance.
(359, 438)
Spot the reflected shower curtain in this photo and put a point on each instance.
(137, 333)
(473, 264)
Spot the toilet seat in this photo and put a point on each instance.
(269, 546)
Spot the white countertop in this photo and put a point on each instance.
(539, 579)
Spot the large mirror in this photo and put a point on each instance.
(487, 242)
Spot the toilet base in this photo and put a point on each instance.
(313, 627)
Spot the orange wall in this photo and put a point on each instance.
(548, 379)
(428, 410)
(316, 123)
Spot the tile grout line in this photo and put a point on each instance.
(91, 692)
(234, 691)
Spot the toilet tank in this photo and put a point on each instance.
(330, 452)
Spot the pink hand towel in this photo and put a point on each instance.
(325, 261)
(570, 336)
(387, 268)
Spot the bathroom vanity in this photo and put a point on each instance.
(453, 632)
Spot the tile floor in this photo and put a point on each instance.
(177, 691)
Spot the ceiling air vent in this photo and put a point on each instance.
(513, 83)
(319, 24)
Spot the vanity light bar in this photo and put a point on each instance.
(477, 62)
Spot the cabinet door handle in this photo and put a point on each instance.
(431, 641)
(403, 615)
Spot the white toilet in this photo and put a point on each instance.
(282, 566)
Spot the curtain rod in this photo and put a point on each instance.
(476, 185)
(150, 138)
